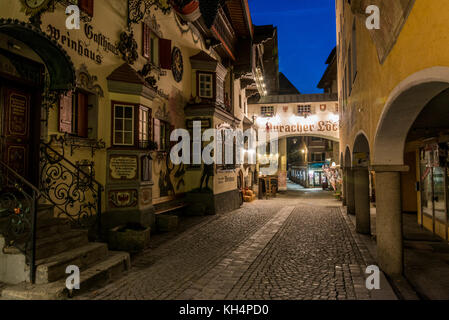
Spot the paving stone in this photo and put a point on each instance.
(297, 248)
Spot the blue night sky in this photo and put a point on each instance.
(306, 32)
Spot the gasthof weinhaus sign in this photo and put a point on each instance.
(89, 47)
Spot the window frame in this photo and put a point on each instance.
(213, 84)
(137, 142)
(354, 52)
(143, 143)
(76, 114)
(267, 111)
(133, 118)
(79, 119)
(306, 109)
(167, 142)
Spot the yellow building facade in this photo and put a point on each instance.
(393, 80)
(87, 113)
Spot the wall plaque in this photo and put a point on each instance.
(123, 198)
(123, 167)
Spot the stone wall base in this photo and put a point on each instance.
(112, 219)
(216, 203)
(13, 268)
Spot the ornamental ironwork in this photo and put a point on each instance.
(138, 9)
(77, 143)
(75, 193)
(18, 204)
(128, 47)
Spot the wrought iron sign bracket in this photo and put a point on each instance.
(78, 143)
(138, 9)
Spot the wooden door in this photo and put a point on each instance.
(15, 135)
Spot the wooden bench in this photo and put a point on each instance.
(166, 222)
(171, 208)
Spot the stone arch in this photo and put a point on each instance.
(401, 110)
(348, 158)
(361, 149)
(323, 136)
(57, 61)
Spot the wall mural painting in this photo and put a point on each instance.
(171, 177)
(176, 102)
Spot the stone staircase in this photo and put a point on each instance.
(58, 246)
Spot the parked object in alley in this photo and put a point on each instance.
(249, 195)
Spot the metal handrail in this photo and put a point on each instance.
(18, 176)
(70, 163)
(48, 184)
(36, 194)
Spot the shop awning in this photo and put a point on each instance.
(57, 61)
(316, 165)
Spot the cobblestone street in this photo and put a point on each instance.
(296, 246)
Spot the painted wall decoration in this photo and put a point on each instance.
(208, 172)
(176, 103)
(123, 198)
(145, 196)
(177, 64)
(170, 177)
(165, 185)
(86, 81)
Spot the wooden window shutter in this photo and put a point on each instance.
(87, 6)
(157, 132)
(82, 119)
(146, 41)
(165, 53)
(171, 143)
(65, 113)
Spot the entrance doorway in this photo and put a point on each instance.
(19, 130)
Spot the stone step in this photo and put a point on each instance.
(49, 227)
(57, 243)
(53, 268)
(97, 275)
(45, 211)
